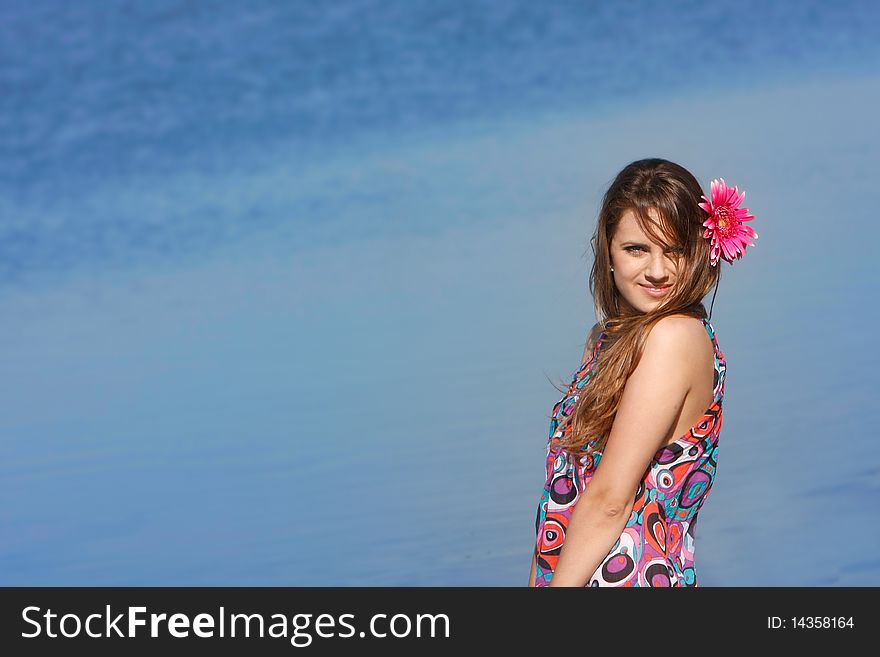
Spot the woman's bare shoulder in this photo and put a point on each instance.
(684, 334)
(683, 326)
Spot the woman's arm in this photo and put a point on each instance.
(649, 408)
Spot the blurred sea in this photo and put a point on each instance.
(283, 283)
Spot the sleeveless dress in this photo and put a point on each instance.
(656, 548)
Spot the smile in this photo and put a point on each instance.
(655, 292)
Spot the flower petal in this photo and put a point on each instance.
(724, 249)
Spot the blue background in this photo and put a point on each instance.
(283, 284)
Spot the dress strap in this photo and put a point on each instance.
(720, 362)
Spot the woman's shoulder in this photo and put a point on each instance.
(680, 323)
(684, 328)
(683, 334)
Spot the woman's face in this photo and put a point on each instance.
(644, 271)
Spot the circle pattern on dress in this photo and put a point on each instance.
(656, 546)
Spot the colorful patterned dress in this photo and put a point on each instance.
(656, 547)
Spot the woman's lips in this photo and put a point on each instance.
(655, 292)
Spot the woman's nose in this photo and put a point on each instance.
(657, 268)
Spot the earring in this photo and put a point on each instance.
(612, 269)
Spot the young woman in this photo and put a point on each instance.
(631, 457)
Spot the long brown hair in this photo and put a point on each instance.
(674, 193)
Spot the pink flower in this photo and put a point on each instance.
(729, 235)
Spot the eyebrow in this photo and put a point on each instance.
(644, 246)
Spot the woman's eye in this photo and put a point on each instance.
(635, 249)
